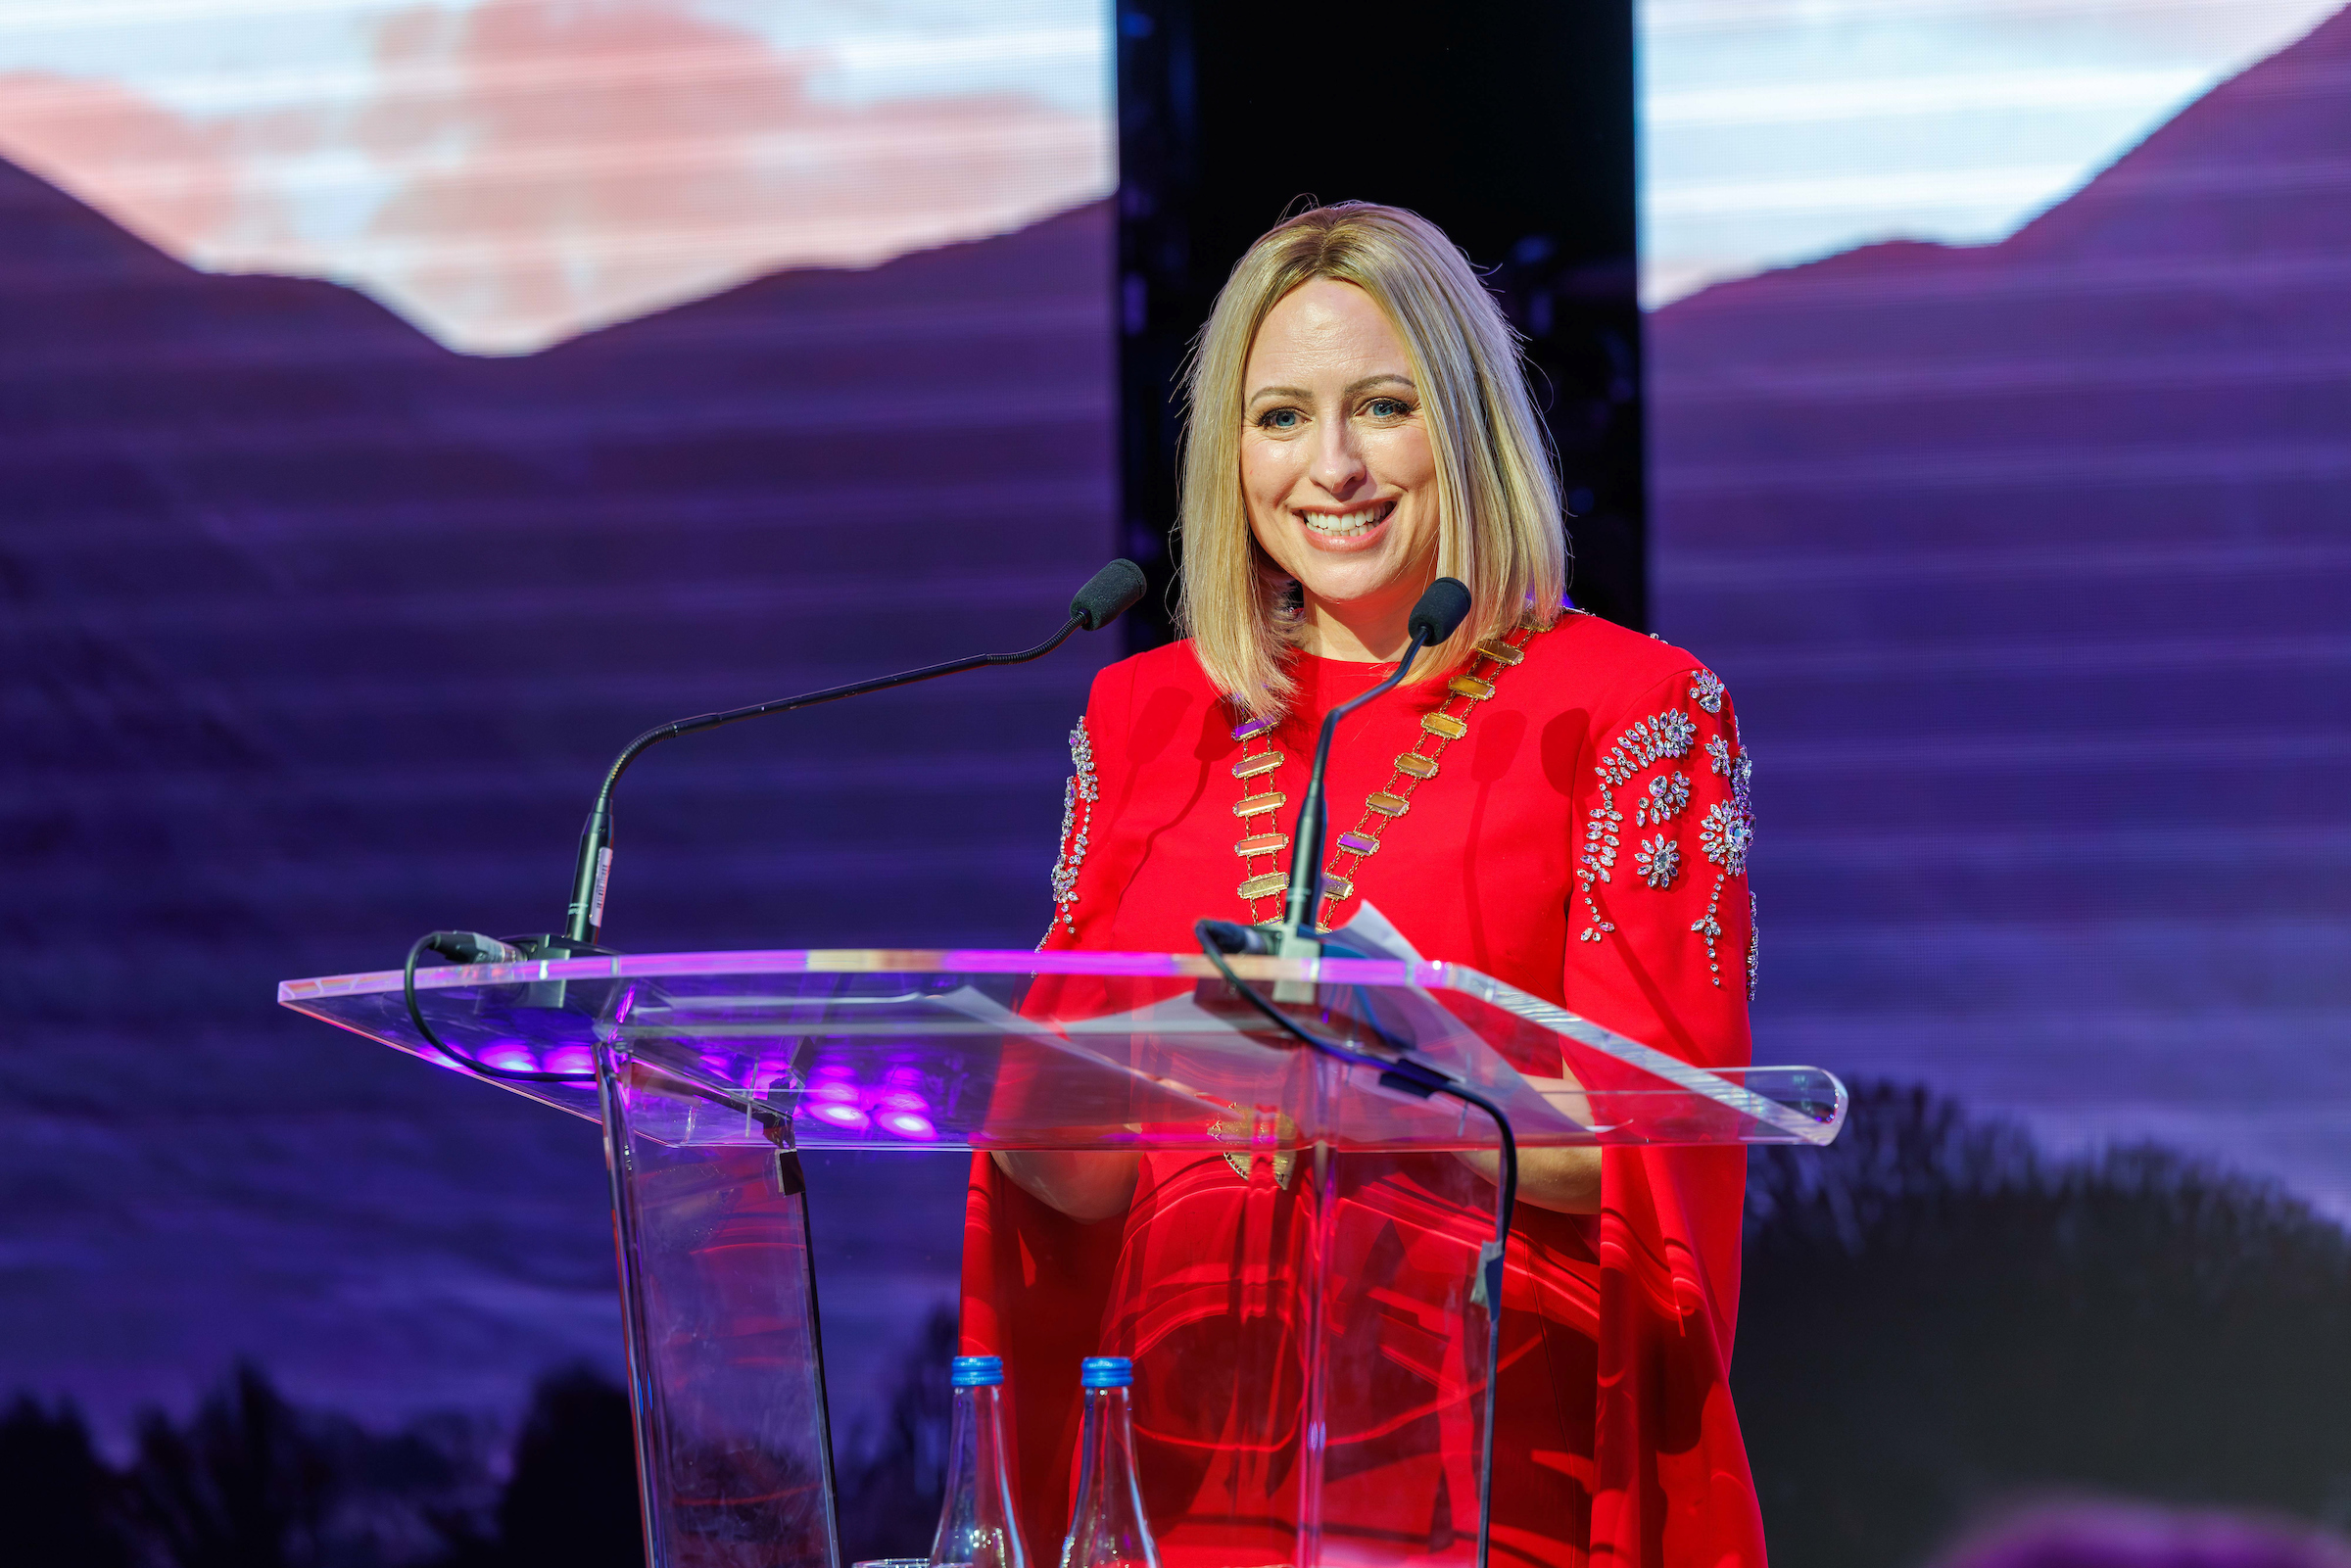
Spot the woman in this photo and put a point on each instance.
(1553, 800)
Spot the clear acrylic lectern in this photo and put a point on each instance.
(709, 1073)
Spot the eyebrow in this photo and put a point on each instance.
(1352, 387)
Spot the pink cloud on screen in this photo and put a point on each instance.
(177, 183)
(554, 166)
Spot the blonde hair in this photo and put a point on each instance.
(1500, 529)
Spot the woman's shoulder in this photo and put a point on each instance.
(1586, 661)
(1170, 665)
(1139, 701)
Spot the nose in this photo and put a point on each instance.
(1338, 467)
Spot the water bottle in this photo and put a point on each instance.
(976, 1525)
(1107, 1526)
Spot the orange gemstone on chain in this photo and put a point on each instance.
(1261, 845)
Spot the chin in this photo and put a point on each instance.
(1349, 586)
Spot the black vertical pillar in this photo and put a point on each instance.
(1507, 122)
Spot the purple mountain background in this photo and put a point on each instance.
(321, 635)
(2029, 565)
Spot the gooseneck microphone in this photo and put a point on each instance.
(1109, 593)
(1437, 615)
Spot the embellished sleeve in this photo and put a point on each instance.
(1081, 803)
(1079, 793)
(1663, 951)
(1662, 903)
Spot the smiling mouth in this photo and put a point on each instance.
(1349, 524)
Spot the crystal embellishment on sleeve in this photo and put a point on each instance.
(1078, 798)
(1668, 796)
(1726, 830)
(1754, 943)
(1645, 741)
(1725, 834)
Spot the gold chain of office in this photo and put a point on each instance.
(1440, 727)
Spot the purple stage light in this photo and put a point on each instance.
(902, 1100)
(910, 1125)
(841, 1114)
(833, 1090)
(510, 1056)
(571, 1059)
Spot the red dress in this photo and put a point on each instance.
(1584, 840)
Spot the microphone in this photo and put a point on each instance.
(1109, 593)
(1436, 616)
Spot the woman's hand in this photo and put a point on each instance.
(1566, 1180)
(1086, 1185)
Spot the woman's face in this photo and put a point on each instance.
(1335, 459)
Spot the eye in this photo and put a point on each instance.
(1279, 419)
(1387, 408)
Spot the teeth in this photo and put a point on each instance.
(1347, 525)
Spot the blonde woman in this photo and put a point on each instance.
(1553, 800)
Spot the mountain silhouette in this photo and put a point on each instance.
(2026, 564)
(321, 636)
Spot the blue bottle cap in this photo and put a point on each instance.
(1107, 1372)
(977, 1371)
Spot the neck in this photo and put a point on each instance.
(1359, 629)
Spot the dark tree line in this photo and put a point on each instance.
(1938, 1321)
(251, 1480)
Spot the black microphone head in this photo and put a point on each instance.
(1440, 612)
(1112, 591)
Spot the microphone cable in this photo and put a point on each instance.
(472, 947)
(469, 947)
(1418, 1078)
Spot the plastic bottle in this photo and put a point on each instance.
(1107, 1525)
(976, 1524)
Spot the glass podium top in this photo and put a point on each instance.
(884, 1049)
